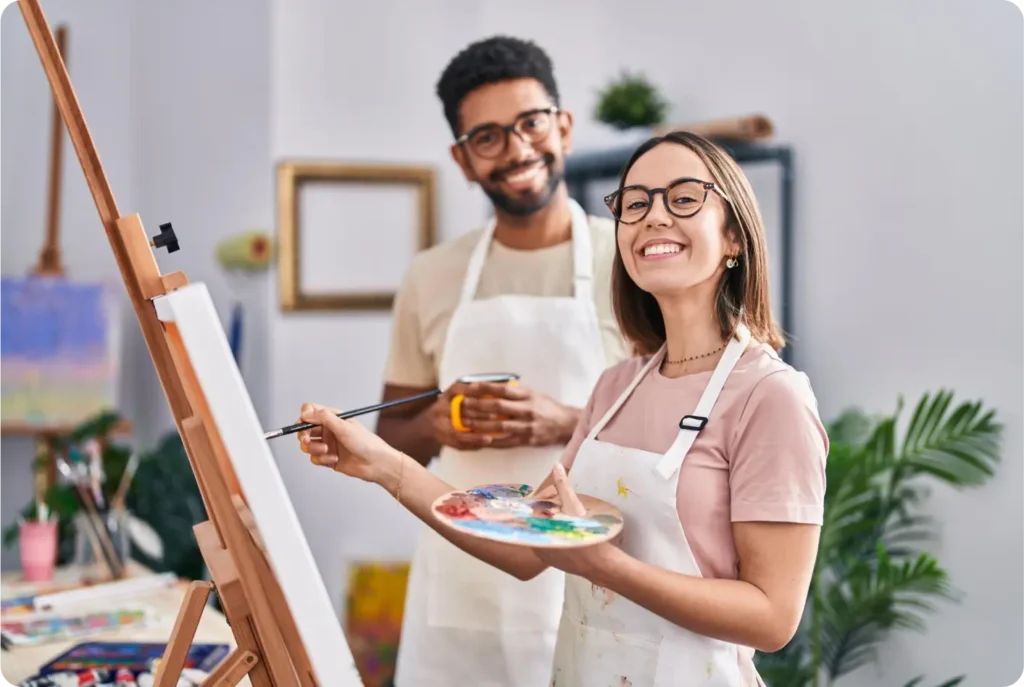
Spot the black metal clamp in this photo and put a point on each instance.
(701, 421)
(166, 238)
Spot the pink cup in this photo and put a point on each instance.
(38, 544)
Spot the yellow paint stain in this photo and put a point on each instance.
(710, 668)
(623, 490)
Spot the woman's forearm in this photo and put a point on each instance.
(730, 610)
(417, 488)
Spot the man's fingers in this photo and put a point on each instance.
(571, 503)
(499, 426)
(497, 406)
(511, 392)
(470, 412)
(456, 389)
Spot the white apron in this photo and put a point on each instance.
(467, 622)
(605, 639)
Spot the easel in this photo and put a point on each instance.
(269, 650)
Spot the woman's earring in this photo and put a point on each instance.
(731, 262)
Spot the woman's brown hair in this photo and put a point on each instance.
(743, 290)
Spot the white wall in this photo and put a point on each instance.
(201, 151)
(176, 97)
(905, 118)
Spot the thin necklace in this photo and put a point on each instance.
(694, 357)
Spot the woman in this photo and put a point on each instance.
(716, 555)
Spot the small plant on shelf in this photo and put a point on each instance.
(630, 101)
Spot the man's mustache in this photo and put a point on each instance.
(496, 176)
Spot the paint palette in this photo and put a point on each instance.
(505, 513)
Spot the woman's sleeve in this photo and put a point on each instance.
(777, 458)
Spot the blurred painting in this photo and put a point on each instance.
(59, 351)
(373, 619)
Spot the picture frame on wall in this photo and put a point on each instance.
(347, 232)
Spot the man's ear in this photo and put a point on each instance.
(459, 155)
(565, 123)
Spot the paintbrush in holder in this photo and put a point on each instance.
(90, 521)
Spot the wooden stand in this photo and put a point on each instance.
(269, 650)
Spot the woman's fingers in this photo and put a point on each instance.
(544, 493)
(317, 449)
(571, 503)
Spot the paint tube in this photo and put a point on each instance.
(64, 679)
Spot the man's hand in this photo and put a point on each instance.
(439, 419)
(516, 416)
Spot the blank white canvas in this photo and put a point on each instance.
(356, 237)
(191, 309)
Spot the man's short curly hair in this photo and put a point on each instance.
(500, 58)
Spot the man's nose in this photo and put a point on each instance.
(519, 148)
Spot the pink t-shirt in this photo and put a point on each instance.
(761, 456)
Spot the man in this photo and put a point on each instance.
(527, 294)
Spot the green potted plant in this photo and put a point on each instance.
(630, 101)
(873, 575)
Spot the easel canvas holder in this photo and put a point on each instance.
(280, 614)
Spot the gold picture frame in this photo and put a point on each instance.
(413, 195)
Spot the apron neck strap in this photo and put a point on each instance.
(651, 364)
(582, 257)
(582, 254)
(691, 425)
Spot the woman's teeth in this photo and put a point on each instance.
(662, 249)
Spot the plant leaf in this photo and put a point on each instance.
(858, 611)
(960, 448)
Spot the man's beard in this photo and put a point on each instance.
(519, 208)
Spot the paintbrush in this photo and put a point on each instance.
(117, 502)
(292, 429)
(96, 531)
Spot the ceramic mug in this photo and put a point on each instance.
(456, 405)
(37, 542)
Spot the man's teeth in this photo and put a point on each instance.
(662, 249)
(524, 175)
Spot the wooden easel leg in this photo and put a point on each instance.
(290, 633)
(232, 669)
(169, 671)
(233, 602)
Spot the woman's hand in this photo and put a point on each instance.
(345, 445)
(590, 562)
